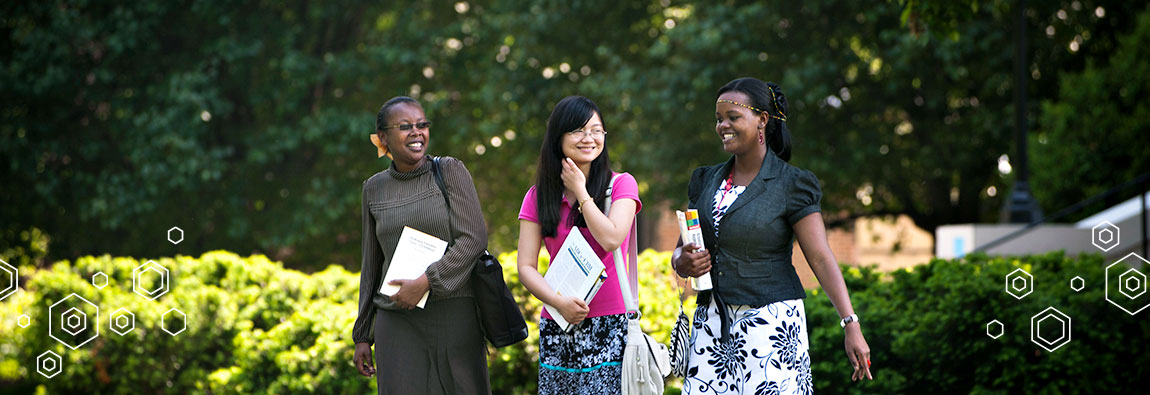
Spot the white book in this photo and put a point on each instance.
(692, 232)
(575, 270)
(414, 253)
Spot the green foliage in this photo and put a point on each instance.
(247, 125)
(1092, 137)
(254, 327)
(927, 330)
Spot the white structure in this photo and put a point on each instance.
(1088, 235)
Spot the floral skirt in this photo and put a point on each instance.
(587, 361)
(765, 353)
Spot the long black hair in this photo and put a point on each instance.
(569, 114)
(767, 96)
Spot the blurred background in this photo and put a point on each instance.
(247, 125)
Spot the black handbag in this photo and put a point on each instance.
(499, 315)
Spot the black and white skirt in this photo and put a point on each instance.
(766, 352)
(587, 361)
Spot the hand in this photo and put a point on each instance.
(410, 291)
(692, 261)
(858, 352)
(574, 310)
(363, 359)
(574, 180)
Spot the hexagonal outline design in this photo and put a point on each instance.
(1123, 282)
(23, 320)
(1066, 329)
(13, 279)
(66, 323)
(1001, 329)
(101, 274)
(176, 228)
(1039, 329)
(1145, 262)
(164, 276)
(1105, 225)
(1081, 280)
(1029, 283)
(164, 326)
(112, 318)
(97, 326)
(1015, 284)
(55, 358)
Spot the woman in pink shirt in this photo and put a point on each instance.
(569, 194)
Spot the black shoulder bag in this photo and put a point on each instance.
(503, 323)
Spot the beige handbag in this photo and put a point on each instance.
(645, 361)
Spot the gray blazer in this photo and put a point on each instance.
(751, 258)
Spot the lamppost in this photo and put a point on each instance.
(1021, 206)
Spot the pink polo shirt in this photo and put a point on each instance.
(609, 300)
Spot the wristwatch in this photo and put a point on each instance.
(849, 319)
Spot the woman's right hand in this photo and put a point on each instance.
(363, 360)
(692, 261)
(574, 310)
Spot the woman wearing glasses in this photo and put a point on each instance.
(571, 183)
(750, 331)
(439, 348)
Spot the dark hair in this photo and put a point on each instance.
(767, 96)
(385, 111)
(569, 114)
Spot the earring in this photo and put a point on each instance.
(760, 137)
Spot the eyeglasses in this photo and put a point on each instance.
(582, 134)
(408, 126)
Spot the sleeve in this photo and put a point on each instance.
(453, 270)
(626, 187)
(695, 186)
(803, 198)
(530, 209)
(363, 330)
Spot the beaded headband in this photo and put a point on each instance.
(752, 108)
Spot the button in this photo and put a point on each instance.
(720, 274)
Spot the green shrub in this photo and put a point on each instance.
(254, 327)
(926, 328)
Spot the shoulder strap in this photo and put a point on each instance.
(438, 173)
(628, 285)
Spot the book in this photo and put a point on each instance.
(413, 254)
(691, 232)
(575, 270)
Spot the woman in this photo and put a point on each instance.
(750, 331)
(569, 194)
(437, 349)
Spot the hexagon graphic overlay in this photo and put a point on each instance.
(9, 279)
(1050, 329)
(1077, 284)
(175, 235)
(1105, 236)
(1126, 285)
(122, 321)
(158, 288)
(24, 320)
(49, 364)
(995, 329)
(68, 321)
(176, 328)
(99, 280)
(1019, 283)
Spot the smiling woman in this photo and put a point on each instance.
(436, 349)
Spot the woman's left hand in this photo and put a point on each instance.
(410, 291)
(574, 179)
(858, 352)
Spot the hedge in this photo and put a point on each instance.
(255, 327)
